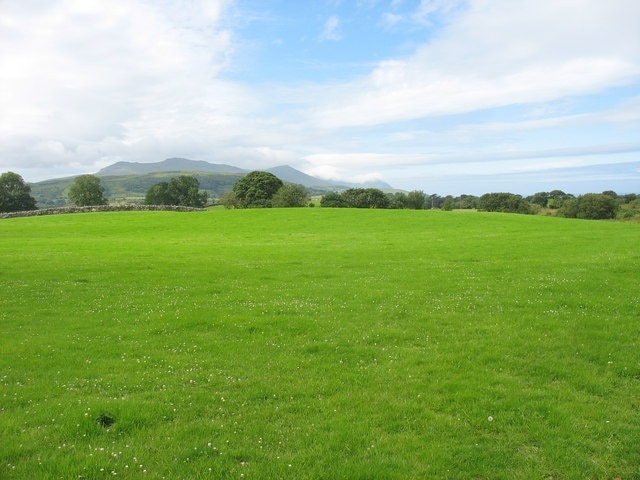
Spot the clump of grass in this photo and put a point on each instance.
(106, 420)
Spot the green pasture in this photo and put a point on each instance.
(319, 344)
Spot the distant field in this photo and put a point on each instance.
(319, 344)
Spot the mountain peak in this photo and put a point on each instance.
(174, 164)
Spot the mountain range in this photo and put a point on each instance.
(129, 181)
(285, 173)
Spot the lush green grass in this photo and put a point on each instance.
(319, 344)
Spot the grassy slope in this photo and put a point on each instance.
(129, 188)
(319, 343)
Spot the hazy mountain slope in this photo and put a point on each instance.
(291, 175)
(168, 165)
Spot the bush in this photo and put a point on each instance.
(365, 198)
(183, 190)
(290, 196)
(333, 200)
(630, 211)
(504, 202)
(591, 206)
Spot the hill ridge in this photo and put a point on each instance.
(286, 173)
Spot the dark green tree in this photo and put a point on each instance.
(158, 194)
(467, 202)
(504, 202)
(591, 206)
(597, 206)
(365, 198)
(183, 190)
(333, 200)
(557, 198)
(397, 200)
(448, 203)
(86, 190)
(540, 198)
(256, 189)
(569, 208)
(15, 194)
(290, 195)
(416, 199)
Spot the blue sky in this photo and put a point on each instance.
(445, 96)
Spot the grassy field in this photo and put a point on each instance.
(319, 344)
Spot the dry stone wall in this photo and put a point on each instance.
(98, 208)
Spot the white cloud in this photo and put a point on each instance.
(97, 78)
(425, 14)
(329, 172)
(331, 29)
(429, 8)
(369, 177)
(497, 54)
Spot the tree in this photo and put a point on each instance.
(365, 198)
(569, 208)
(290, 195)
(591, 206)
(540, 198)
(434, 201)
(256, 189)
(467, 201)
(504, 202)
(448, 203)
(557, 198)
(86, 190)
(416, 199)
(158, 194)
(332, 200)
(15, 194)
(183, 190)
(597, 206)
(397, 200)
(229, 199)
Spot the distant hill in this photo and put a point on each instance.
(168, 165)
(129, 181)
(291, 175)
(285, 173)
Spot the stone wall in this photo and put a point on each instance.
(99, 208)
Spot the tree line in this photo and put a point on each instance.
(259, 189)
(593, 206)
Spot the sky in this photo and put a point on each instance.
(445, 96)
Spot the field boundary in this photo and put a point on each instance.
(99, 208)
